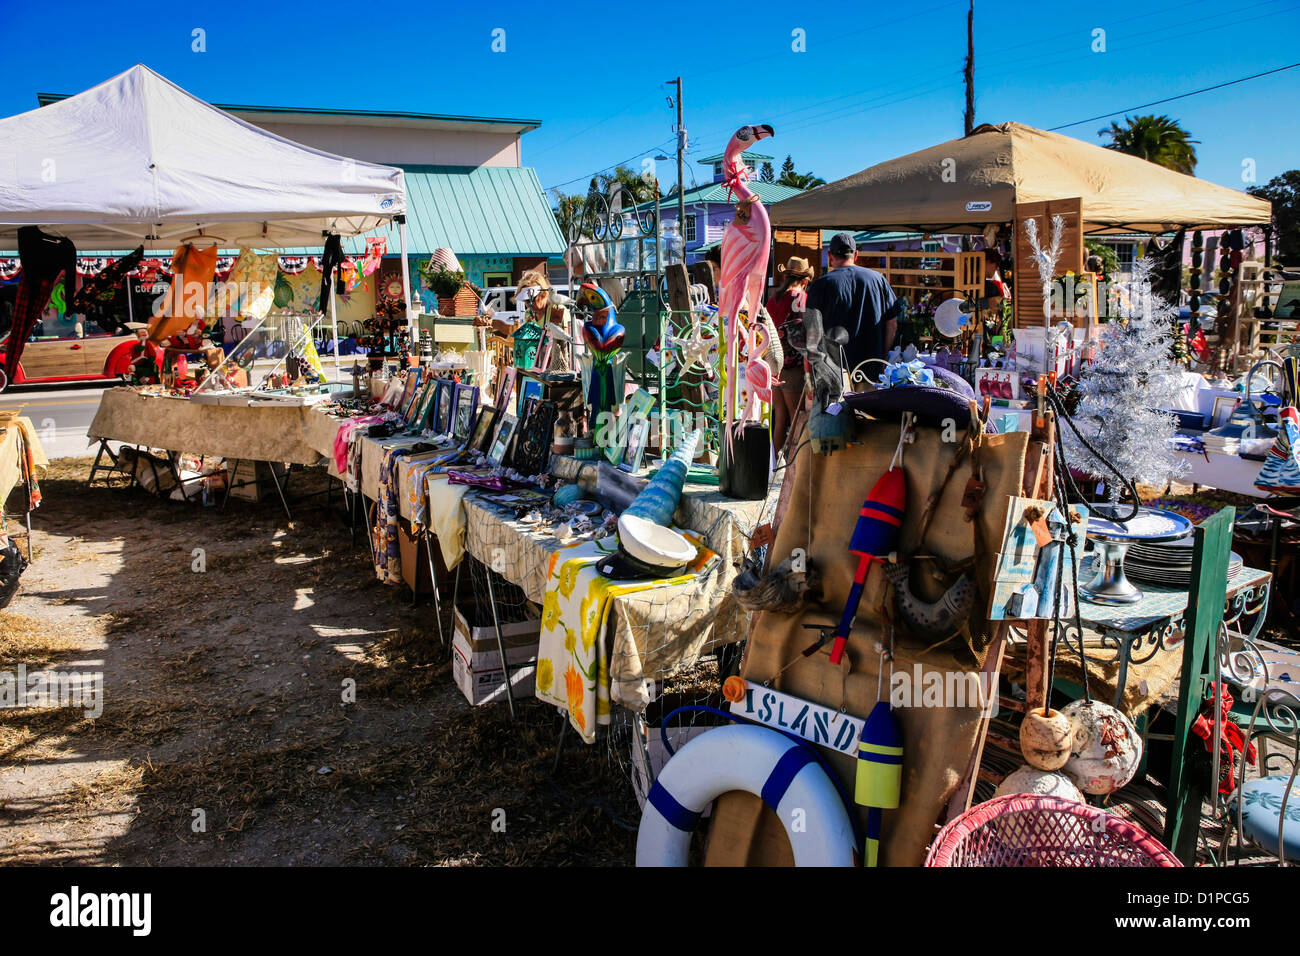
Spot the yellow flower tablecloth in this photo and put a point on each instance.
(573, 656)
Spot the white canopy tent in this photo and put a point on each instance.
(138, 160)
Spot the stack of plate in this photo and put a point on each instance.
(1169, 563)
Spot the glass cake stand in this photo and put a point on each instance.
(1112, 540)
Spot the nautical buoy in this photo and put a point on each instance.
(874, 537)
(1107, 749)
(755, 760)
(1042, 783)
(879, 782)
(1046, 739)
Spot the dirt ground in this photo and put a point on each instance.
(224, 737)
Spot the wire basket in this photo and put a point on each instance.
(1021, 829)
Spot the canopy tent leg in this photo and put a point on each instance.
(334, 331)
(406, 289)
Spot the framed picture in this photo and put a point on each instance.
(445, 402)
(535, 436)
(409, 392)
(634, 450)
(1224, 406)
(481, 437)
(423, 405)
(505, 386)
(532, 388)
(543, 361)
(466, 401)
(501, 443)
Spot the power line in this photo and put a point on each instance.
(1180, 96)
(589, 175)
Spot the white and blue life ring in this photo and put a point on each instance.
(785, 774)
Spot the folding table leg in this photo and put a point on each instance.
(433, 577)
(231, 472)
(501, 647)
(279, 490)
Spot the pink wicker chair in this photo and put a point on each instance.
(1021, 829)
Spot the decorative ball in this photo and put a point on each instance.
(566, 494)
(1107, 749)
(1046, 739)
(1040, 783)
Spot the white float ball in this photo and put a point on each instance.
(1107, 749)
(1039, 783)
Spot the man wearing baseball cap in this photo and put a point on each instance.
(857, 299)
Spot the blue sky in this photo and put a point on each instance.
(874, 80)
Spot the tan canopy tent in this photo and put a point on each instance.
(966, 184)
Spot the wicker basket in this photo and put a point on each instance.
(1021, 829)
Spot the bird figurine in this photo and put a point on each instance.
(745, 245)
(758, 374)
(603, 335)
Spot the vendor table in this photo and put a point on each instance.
(652, 633)
(19, 445)
(1225, 472)
(247, 432)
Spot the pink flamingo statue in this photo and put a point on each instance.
(744, 257)
(758, 374)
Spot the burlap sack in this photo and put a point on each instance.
(826, 497)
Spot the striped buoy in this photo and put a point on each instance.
(879, 784)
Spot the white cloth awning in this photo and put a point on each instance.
(137, 159)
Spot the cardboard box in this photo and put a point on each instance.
(479, 676)
(476, 662)
(258, 482)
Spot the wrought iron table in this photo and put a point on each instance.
(1138, 632)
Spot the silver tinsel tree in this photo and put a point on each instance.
(1122, 389)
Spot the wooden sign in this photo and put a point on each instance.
(1027, 284)
(813, 722)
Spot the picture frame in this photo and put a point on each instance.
(423, 405)
(1224, 406)
(504, 387)
(409, 391)
(532, 388)
(443, 406)
(638, 432)
(505, 433)
(543, 360)
(464, 405)
(481, 436)
(534, 437)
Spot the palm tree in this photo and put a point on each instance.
(568, 211)
(801, 180)
(1157, 139)
(641, 188)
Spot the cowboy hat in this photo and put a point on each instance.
(797, 267)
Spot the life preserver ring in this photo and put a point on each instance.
(758, 761)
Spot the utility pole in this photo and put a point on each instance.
(970, 69)
(681, 170)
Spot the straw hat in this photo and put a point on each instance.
(797, 267)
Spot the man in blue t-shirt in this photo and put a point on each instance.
(860, 300)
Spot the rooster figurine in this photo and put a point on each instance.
(745, 247)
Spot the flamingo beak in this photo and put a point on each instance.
(763, 131)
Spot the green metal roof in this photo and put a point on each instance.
(746, 155)
(717, 192)
(474, 210)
